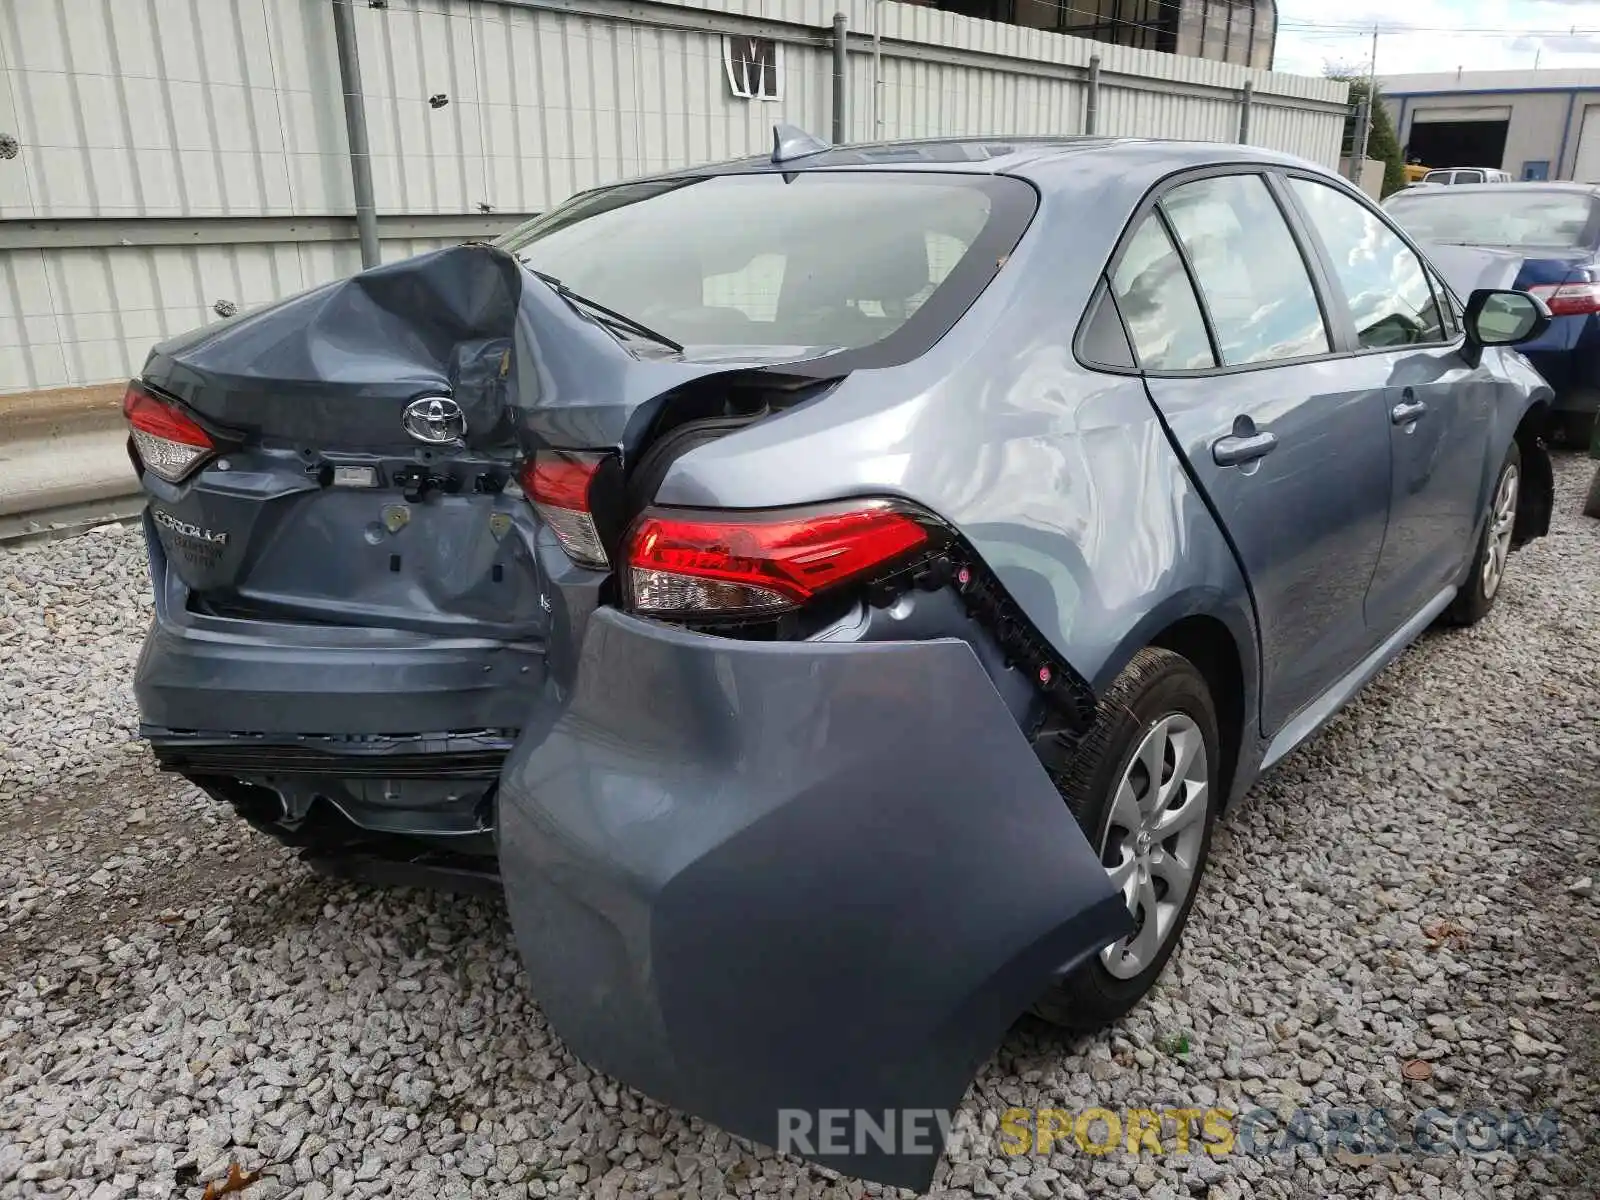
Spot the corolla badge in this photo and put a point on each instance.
(435, 420)
(185, 529)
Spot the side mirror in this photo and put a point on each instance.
(1496, 317)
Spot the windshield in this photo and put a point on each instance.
(1509, 217)
(815, 259)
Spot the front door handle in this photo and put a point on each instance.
(1407, 412)
(1237, 449)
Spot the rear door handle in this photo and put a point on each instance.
(1407, 412)
(1236, 449)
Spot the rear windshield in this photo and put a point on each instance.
(817, 260)
(1510, 217)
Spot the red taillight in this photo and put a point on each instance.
(558, 482)
(1568, 299)
(170, 444)
(761, 563)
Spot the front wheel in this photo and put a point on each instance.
(1143, 786)
(1488, 569)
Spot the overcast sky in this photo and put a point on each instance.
(1441, 35)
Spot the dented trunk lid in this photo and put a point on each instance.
(369, 434)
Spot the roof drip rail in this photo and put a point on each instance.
(790, 142)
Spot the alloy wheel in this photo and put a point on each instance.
(1154, 836)
(1502, 516)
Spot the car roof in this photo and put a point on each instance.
(1499, 189)
(1033, 157)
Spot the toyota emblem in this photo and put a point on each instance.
(435, 420)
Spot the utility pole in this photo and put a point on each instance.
(1358, 148)
(355, 124)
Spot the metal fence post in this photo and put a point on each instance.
(1091, 98)
(841, 80)
(1358, 139)
(355, 124)
(1245, 99)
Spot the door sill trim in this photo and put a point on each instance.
(1316, 714)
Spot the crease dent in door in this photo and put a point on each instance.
(798, 889)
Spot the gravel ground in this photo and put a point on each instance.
(181, 995)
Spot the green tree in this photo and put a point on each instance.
(1382, 144)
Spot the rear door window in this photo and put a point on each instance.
(1255, 284)
(1384, 283)
(1158, 304)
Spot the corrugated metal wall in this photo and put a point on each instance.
(210, 109)
(79, 315)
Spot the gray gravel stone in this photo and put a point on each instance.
(179, 994)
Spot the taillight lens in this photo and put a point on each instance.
(170, 444)
(1568, 299)
(762, 563)
(560, 484)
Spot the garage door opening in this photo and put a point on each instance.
(1586, 166)
(1458, 143)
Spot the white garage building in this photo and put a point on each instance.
(164, 165)
(1534, 124)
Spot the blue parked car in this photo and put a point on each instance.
(833, 594)
(1554, 229)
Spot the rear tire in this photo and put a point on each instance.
(1152, 829)
(1486, 575)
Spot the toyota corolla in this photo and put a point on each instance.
(833, 594)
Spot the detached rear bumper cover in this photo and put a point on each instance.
(749, 878)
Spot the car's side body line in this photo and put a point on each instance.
(1316, 714)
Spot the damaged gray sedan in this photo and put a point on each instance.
(834, 594)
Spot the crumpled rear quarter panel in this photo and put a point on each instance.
(748, 877)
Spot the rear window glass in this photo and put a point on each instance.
(818, 260)
(1511, 217)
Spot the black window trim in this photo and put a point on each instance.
(1310, 262)
(1102, 296)
(1324, 276)
(1167, 227)
(1312, 252)
(1430, 273)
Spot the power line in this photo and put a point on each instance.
(1346, 34)
(1344, 28)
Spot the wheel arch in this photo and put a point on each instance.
(1219, 638)
(1207, 643)
(1536, 499)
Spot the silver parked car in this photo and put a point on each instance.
(1454, 175)
(833, 594)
